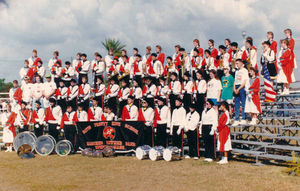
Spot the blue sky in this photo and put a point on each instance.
(73, 26)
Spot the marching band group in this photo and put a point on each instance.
(185, 94)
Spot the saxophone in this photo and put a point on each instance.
(182, 64)
(170, 65)
(222, 62)
(208, 64)
(127, 72)
(233, 60)
(249, 59)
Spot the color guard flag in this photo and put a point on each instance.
(270, 93)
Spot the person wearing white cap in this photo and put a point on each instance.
(49, 90)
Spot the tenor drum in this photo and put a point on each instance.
(44, 145)
(156, 153)
(63, 147)
(171, 153)
(142, 152)
(24, 138)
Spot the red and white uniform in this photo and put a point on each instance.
(130, 113)
(84, 91)
(67, 119)
(200, 86)
(147, 115)
(187, 87)
(67, 73)
(157, 67)
(224, 141)
(94, 113)
(162, 91)
(7, 121)
(250, 54)
(23, 73)
(56, 113)
(253, 101)
(213, 52)
(33, 61)
(15, 98)
(291, 46)
(108, 62)
(150, 92)
(80, 116)
(209, 63)
(136, 92)
(100, 89)
(98, 67)
(201, 52)
(123, 93)
(164, 116)
(285, 67)
(52, 62)
(175, 87)
(86, 66)
(72, 92)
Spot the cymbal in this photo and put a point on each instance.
(24, 151)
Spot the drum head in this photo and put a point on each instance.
(24, 138)
(153, 154)
(167, 155)
(63, 148)
(139, 153)
(44, 145)
(85, 151)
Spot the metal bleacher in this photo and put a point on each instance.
(275, 136)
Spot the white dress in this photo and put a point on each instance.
(8, 136)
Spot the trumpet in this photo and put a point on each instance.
(249, 60)
(182, 64)
(233, 63)
(144, 66)
(123, 75)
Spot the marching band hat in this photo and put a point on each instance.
(73, 80)
(138, 55)
(60, 80)
(187, 74)
(99, 77)
(58, 62)
(23, 102)
(136, 49)
(38, 102)
(161, 99)
(146, 100)
(116, 58)
(67, 63)
(69, 104)
(98, 55)
(211, 102)
(196, 50)
(81, 105)
(207, 51)
(222, 47)
(114, 78)
(40, 61)
(52, 100)
(226, 68)
(148, 78)
(192, 105)
(26, 78)
(130, 97)
(181, 49)
(162, 78)
(84, 55)
(250, 42)
(178, 99)
(234, 44)
(199, 71)
(153, 54)
(267, 43)
(169, 57)
(48, 76)
(174, 74)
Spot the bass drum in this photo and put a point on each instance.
(171, 153)
(24, 138)
(156, 153)
(142, 152)
(44, 145)
(63, 147)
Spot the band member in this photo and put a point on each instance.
(94, 60)
(227, 88)
(208, 126)
(112, 93)
(84, 93)
(72, 94)
(7, 120)
(130, 111)
(33, 60)
(273, 43)
(200, 88)
(61, 95)
(196, 46)
(241, 77)
(137, 92)
(155, 69)
(53, 118)
(68, 126)
(224, 141)
(133, 58)
(207, 64)
(185, 62)
(212, 49)
(150, 91)
(268, 57)
(235, 54)
(49, 90)
(52, 61)
(27, 91)
(23, 71)
(146, 114)
(162, 122)
(99, 90)
(98, 68)
(75, 63)
(222, 60)
(178, 124)
(285, 67)
(15, 96)
(227, 43)
(40, 70)
(250, 55)
(187, 91)
(67, 73)
(38, 115)
(138, 69)
(80, 114)
(177, 47)
(191, 128)
(252, 105)
(147, 58)
(195, 62)
(123, 95)
(109, 59)
(56, 72)
(175, 90)
(23, 118)
(108, 115)
(95, 112)
(291, 46)
(37, 91)
(171, 67)
(163, 89)
(84, 68)
(123, 54)
(160, 55)
(214, 89)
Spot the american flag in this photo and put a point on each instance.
(270, 93)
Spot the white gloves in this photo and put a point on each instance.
(178, 131)
(212, 132)
(37, 126)
(168, 131)
(21, 126)
(108, 96)
(250, 95)
(58, 127)
(217, 132)
(120, 99)
(62, 130)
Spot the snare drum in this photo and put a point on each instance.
(24, 138)
(44, 145)
(63, 147)
(156, 153)
(142, 152)
(171, 153)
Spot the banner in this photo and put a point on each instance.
(122, 135)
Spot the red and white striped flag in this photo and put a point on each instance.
(270, 93)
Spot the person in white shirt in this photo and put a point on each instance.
(187, 90)
(39, 121)
(15, 96)
(157, 67)
(175, 90)
(99, 90)
(67, 73)
(130, 111)
(53, 60)
(137, 92)
(75, 63)
(72, 94)
(163, 89)
(200, 88)
(80, 114)
(163, 119)
(53, 123)
(109, 59)
(41, 70)
(137, 68)
(133, 58)
(37, 91)
(150, 90)
(208, 127)
(208, 63)
(177, 47)
(239, 91)
(171, 66)
(112, 93)
(61, 95)
(33, 59)
(147, 57)
(56, 72)
(84, 93)
(84, 69)
(23, 117)
(98, 68)
(192, 131)
(123, 94)
(146, 114)
(68, 126)
(109, 115)
(178, 124)
(27, 91)
(23, 71)
(96, 111)
(48, 91)
(8, 136)
(214, 89)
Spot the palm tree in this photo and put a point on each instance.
(115, 44)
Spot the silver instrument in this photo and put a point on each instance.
(142, 152)
(86, 151)
(44, 145)
(156, 153)
(98, 154)
(24, 138)
(63, 147)
(171, 154)
(109, 151)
